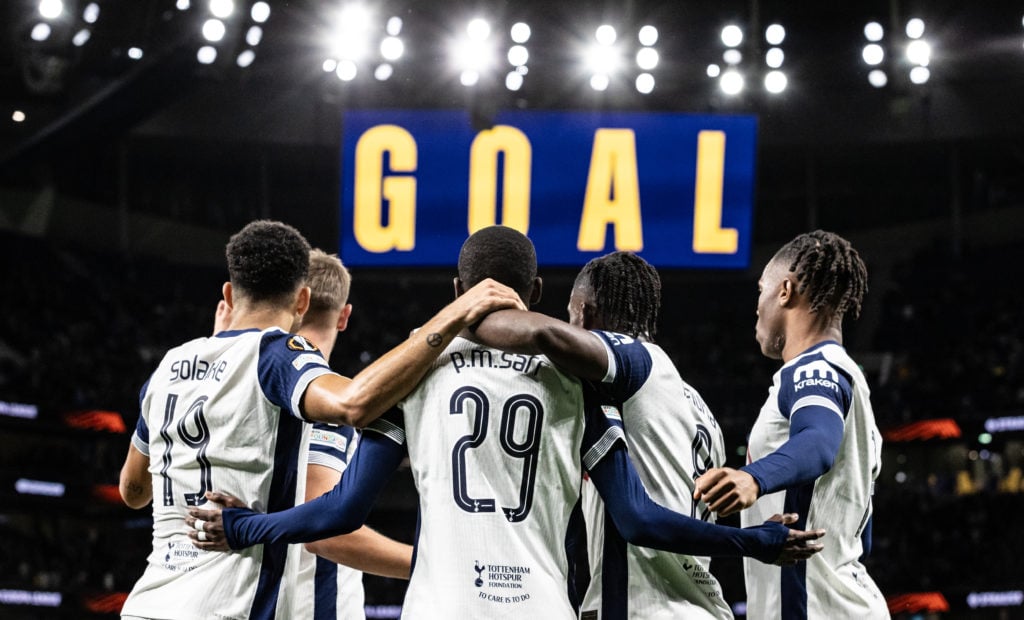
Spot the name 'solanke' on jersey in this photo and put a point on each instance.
(196, 369)
(485, 358)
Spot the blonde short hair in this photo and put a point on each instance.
(329, 282)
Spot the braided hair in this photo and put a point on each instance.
(627, 292)
(828, 270)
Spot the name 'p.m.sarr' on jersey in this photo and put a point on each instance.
(485, 358)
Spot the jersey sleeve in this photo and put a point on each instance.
(391, 425)
(331, 445)
(140, 438)
(815, 396)
(602, 427)
(629, 364)
(287, 365)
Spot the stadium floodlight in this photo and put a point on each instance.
(330, 65)
(18, 116)
(518, 55)
(260, 12)
(520, 32)
(245, 58)
(213, 30)
(352, 47)
(394, 26)
(732, 35)
(383, 72)
(514, 80)
(81, 37)
(469, 77)
(392, 48)
(222, 8)
(775, 82)
(919, 52)
(354, 18)
(648, 35)
(714, 71)
(915, 28)
(774, 57)
(472, 55)
(602, 59)
(599, 82)
(183, 5)
(645, 83)
(647, 58)
(135, 53)
(920, 75)
(522, 69)
(91, 13)
(346, 70)
(732, 56)
(51, 9)
(41, 32)
(731, 82)
(878, 78)
(873, 54)
(207, 54)
(605, 34)
(874, 32)
(775, 34)
(254, 35)
(478, 29)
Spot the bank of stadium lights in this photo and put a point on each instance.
(602, 58)
(473, 53)
(730, 80)
(873, 54)
(647, 58)
(775, 80)
(354, 45)
(518, 55)
(919, 52)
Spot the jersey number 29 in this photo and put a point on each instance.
(526, 450)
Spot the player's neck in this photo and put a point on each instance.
(262, 318)
(809, 334)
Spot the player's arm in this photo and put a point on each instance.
(816, 425)
(363, 549)
(136, 485)
(573, 349)
(358, 401)
(643, 522)
(342, 510)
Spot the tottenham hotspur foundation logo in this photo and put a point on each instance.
(479, 573)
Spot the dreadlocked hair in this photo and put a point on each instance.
(627, 292)
(829, 270)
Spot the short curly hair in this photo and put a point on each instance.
(501, 253)
(267, 261)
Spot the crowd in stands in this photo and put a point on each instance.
(83, 330)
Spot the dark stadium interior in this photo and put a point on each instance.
(125, 177)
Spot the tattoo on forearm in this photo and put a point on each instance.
(434, 339)
(134, 488)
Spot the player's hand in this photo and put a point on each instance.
(206, 526)
(726, 490)
(487, 296)
(799, 545)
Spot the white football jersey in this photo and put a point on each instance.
(673, 438)
(221, 413)
(832, 583)
(324, 590)
(497, 443)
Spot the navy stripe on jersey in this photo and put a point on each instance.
(794, 578)
(576, 555)
(140, 439)
(633, 365)
(286, 368)
(614, 573)
(282, 497)
(325, 602)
